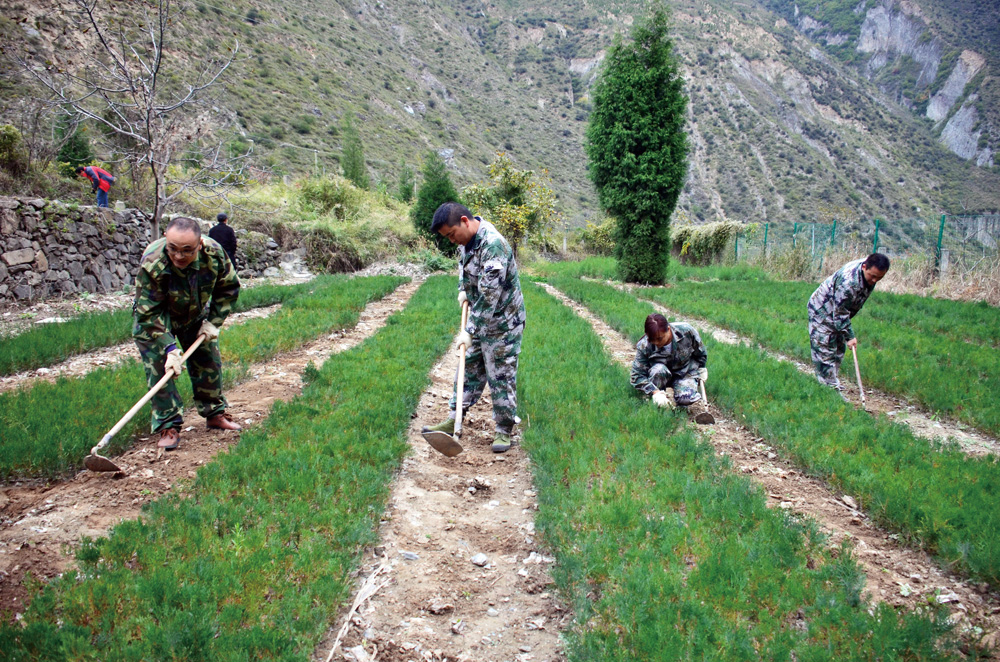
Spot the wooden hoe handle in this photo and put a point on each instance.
(146, 398)
(460, 384)
(857, 371)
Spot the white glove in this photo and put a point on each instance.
(703, 374)
(175, 362)
(209, 330)
(464, 339)
(660, 399)
(462, 298)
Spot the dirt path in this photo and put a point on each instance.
(42, 523)
(921, 423)
(440, 602)
(81, 364)
(896, 574)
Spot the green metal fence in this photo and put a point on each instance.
(952, 242)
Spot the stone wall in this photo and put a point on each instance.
(50, 249)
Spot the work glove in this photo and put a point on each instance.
(462, 298)
(703, 374)
(175, 361)
(464, 339)
(660, 399)
(209, 330)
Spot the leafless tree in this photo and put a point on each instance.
(127, 84)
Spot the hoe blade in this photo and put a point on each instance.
(443, 443)
(705, 418)
(100, 463)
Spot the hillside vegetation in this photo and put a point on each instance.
(784, 124)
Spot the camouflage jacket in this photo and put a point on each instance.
(488, 274)
(168, 298)
(683, 356)
(839, 298)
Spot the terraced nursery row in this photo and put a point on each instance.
(253, 560)
(48, 428)
(49, 343)
(933, 494)
(942, 354)
(664, 553)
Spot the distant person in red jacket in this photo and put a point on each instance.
(100, 181)
(224, 234)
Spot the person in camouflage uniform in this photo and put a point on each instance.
(669, 356)
(831, 308)
(487, 278)
(186, 287)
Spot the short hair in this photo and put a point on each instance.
(79, 169)
(222, 218)
(877, 261)
(656, 324)
(450, 214)
(184, 224)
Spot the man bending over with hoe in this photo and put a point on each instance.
(669, 361)
(487, 279)
(185, 288)
(831, 308)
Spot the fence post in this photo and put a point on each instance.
(765, 239)
(795, 230)
(833, 232)
(875, 244)
(813, 253)
(937, 253)
(736, 247)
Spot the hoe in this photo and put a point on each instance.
(442, 441)
(97, 462)
(705, 417)
(857, 371)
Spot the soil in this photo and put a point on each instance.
(42, 523)
(921, 422)
(17, 317)
(433, 602)
(81, 364)
(896, 574)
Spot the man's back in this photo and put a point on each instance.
(224, 234)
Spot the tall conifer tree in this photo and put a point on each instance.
(353, 159)
(637, 147)
(435, 190)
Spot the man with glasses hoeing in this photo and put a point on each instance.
(185, 288)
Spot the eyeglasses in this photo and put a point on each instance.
(187, 251)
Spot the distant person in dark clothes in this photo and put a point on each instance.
(100, 182)
(224, 234)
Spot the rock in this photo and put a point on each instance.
(9, 222)
(67, 287)
(37, 203)
(480, 560)
(492, 612)
(22, 292)
(8, 203)
(107, 280)
(272, 244)
(41, 262)
(851, 503)
(358, 653)
(3, 272)
(75, 270)
(272, 272)
(409, 556)
(437, 608)
(20, 256)
(89, 283)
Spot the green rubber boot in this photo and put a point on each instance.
(501, 443)
(447, 426)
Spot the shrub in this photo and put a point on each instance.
(332, 195)
(704, 244)
(435, 190)
(598, 238)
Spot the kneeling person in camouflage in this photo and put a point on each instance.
(186, 287)
(487, 278)
(831, 307)
(669, 356)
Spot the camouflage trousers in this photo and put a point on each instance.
(205, 369)
(828, 347)
(493, 361)
(685, 388)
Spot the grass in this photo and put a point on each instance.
(664, 553)
(941, 353)
(606, 268)
(932, 493)
(50, 343)
(48, 428)
(253, 560)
